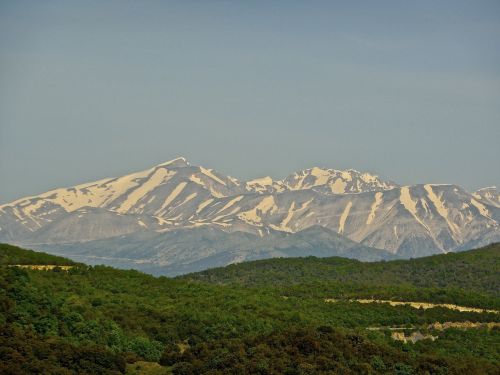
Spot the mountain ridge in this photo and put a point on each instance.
(408, 221)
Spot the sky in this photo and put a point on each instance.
(93, 89)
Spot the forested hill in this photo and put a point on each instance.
(476, 270)
(13, 255)
(100, 320)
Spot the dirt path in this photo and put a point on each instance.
(418, 305)
(42, 267)
(438, 326)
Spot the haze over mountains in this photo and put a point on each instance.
(177, 217)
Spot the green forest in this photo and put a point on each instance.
(472, 270)
(263, 317)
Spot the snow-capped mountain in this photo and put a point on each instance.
(328, 181)
(404, 220)
(332, 181)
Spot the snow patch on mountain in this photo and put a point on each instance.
(171, 197)
(253, 216)
(410, 205)
(441, 209)
(158, 177)
(344, 216)
(374, 207)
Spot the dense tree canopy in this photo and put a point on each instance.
(98, 319)
(475, 270)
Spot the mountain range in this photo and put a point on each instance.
(177, 217)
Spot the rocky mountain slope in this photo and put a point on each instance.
(407, 221)
(190, 250)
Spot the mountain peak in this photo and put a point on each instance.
(177, 163)
(336, 181)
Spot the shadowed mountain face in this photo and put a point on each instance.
(190, 250)
(250, 220)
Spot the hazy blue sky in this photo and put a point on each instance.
(91, 89)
